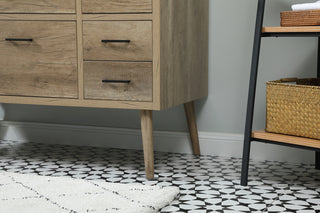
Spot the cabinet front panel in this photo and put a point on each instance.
(117, 40)
(127, 81)
(37, 6)
(116, 6)
(38, 58)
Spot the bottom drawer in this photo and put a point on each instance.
(126, 81)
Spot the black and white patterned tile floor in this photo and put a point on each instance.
(207, 183)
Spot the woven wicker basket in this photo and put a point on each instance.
(293, 107)
(300, 18)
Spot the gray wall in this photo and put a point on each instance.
(231, 37)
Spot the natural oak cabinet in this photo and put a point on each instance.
(129, 54)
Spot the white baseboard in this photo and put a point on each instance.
(218, 144)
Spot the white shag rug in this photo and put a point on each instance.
(26, 193)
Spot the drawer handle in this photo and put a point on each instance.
(116, 81)
(19, 39)
(115, 41)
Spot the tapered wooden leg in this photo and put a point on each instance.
(147, 138)
(192, 124)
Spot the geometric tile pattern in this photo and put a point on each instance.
(207, 183)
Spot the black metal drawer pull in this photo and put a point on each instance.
(116, 81)
(115, 41)
(19, 39)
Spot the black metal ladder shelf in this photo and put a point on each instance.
(261, 136)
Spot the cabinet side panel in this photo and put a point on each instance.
(183, 51)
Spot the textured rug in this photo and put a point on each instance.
(31, 193)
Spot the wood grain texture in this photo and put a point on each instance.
(118, 17)
(147, 139)
(262, 134)
(37, 6)
(47, 66)
(117, 6)
(80, 50)
(156, 55)
(290, 29)
(139, 74)
(138, 32)
(192, 125)
(40, 17)
(183, 47)
(76, 102)
(300, 18)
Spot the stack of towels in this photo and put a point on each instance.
(307, 6)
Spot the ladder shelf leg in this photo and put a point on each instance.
(252, 93)
(317, 160)
(317, 153)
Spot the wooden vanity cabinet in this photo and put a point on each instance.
(130, 54)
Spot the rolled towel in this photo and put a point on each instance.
(307, 6)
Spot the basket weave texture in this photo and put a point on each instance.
(300, 18)
(293, 107)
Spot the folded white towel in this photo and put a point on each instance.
(307, 6)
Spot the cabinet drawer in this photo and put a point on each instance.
(38, 58)
(117, 40)
(116, 6)
(127, 81)
(37, 6)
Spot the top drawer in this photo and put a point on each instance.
(37, 6)
(116, 6)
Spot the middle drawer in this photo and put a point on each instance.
(117, 40)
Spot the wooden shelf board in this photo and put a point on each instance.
(306, 29)
(262, 134)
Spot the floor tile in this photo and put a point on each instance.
(207, 183)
